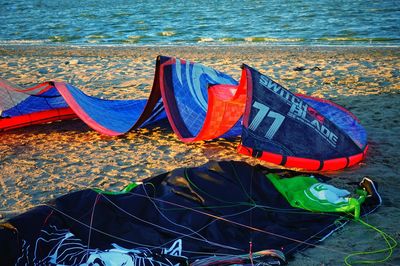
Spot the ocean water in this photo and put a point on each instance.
(180, 22)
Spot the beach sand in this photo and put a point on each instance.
(42, 162)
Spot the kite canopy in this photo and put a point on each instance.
(198, 107)
(51, 101)
(296, 130)
(39, 104)
(201, 103)
(181, 88)
(221, 213)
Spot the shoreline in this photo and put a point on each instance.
(122, 50)
(198, 44)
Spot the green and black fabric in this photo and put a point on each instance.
(220, 213)
(307, 192)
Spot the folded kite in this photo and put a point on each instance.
(221, 213)
(203, 104)
(296, 130)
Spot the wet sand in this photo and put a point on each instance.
(42, 162)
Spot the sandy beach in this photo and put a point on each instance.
(40, 163)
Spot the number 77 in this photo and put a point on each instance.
(263, 111)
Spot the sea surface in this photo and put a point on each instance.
(179, 22)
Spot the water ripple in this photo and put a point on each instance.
(178, 22)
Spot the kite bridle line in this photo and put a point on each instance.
(178, 225)
(179, 207)
(251, 213)
(187, 208)
(216, 218)
(386, 236)
(390, 247)
(91, 223)
(203, 213)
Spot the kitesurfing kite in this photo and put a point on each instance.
(297, 130)
(201, 103)
(51, 101)
(183, 86)
(221, 213)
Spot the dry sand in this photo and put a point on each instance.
(39, 163)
